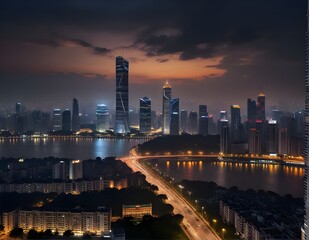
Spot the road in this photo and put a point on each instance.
(193, 224)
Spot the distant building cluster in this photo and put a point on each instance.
(96, 222)
(281, 133)
(252, 222)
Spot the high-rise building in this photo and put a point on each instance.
(57, 122)
(254, 143)
(102, 118)
(212, 127)
(75, 116)
(260, 114)
(283, 142)
(66, 120)
(203, 120)
(224, 132)
(251, 110)
(166, 110)
(272, 137)
(76, 169)
(193, 123)
(154, 120)
(235, 124)
(299, 124)
(45, 122)
(122, 96)
(145, 115)
(59, 170)
(174, 128)
(184, 120)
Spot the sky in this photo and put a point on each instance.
(216, 53)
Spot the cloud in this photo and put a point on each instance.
(61, 41)
(162, 60)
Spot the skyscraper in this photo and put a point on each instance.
(102, 118)
(203, 120)
(235, 123)
(66, 120)
(145, 115)
(251, 110)
(75, 116)
(57, 123)
(193, 123)
(174, 128)
(122, 96)
(184, 120)
(166, 110)
(272, 137)
(260, 114)
(224, 132)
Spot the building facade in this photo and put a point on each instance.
(166, 109)
(174, 127)
(203, 120)
(75, 116)
(102, 118)
(145, 115)
(122, 122)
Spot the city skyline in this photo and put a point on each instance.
(203, 55)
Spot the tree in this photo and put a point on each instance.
(68, 233)
(32, 234)
(87, 236)
(48, 233)
(16, 232)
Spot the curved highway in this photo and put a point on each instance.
(193, 224)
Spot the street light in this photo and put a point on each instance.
(214, 221)
(223, 231)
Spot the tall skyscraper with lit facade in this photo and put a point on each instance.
(193, 128)
(251, 110)
(145, 115)
(75, 116)
(184, 120)
(203, 120)
(174, 128)
(102, 118)
(260, 113)
(166, 110)
(122, 96)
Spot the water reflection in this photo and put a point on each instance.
(277, 178)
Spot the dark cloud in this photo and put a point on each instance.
(60, 41)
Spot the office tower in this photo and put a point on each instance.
(203, 120)
(283, 142)
(102, 118)
(76, 169)
(66, 120)
(272, 137)
(251, 110)
(166, 110)
(222, 116)
(276, 115)
(19, 119)
(134, 117)
(224, 132)
(145, 115)
(260, 114)
(193, 123)
(212, 127)
(174, 128)
(261, 127)
(122, 96)
(254, 144)
(184, 121)
(75, 116)
(235, 124)
(57, 122)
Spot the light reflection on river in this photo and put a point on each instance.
(277, 178)
(79, 148)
